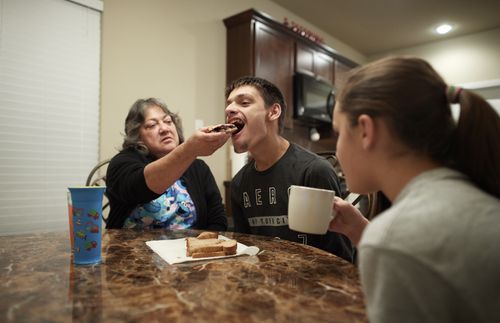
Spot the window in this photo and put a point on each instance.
(49, 108)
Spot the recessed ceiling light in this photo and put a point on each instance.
(443, 29)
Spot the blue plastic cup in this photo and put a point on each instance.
(87, 224)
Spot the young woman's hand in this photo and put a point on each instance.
(348, 220)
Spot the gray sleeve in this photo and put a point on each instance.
(398, 288)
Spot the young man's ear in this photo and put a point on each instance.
(274, 112)
(367, 131)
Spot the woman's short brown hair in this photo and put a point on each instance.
(135, 119)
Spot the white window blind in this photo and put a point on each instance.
(49, 109)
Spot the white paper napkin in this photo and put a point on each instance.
(174, 251)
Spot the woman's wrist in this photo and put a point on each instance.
(187, 150)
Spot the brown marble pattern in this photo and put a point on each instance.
(286, 282)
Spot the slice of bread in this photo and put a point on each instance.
(208, 235)
(193, 244)
(229, 246)
(209, 247)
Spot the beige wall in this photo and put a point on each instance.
(466, 59)
(175, 50)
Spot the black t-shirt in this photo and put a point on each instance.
(259, 200)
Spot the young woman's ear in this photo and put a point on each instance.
(367, 131)
(274, 112)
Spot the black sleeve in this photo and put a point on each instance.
(125, 179)
(338, 244)
(322, 175)
(126, 186)
(217, 220)
(205, 194)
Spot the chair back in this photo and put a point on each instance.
(330, 156)
(97, 177)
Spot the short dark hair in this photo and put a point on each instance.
(135, 119)
(269, 92)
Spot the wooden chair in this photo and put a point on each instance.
(97, 177)
(330, 156)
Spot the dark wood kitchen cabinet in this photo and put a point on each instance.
(256, 48)
(341, 70)
(257, 45)
(314, 63)
(274, 61)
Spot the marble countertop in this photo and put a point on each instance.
(286, 282)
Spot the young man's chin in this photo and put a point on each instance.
(240, 148)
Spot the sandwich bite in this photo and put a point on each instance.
(225, 127)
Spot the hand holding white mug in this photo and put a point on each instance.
(348, 220)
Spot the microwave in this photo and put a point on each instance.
(313, 99)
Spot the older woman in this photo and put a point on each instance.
(155, 181)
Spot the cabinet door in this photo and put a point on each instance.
(274, 53)
(340, 74)
(315, 63)
(239, 51)
(304, 60)
(324, 67)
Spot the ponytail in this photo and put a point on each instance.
(415, 102)
(476, 143)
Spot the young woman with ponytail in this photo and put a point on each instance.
(434, 255)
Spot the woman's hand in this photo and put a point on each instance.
(348, 220)
(163, 172)
(204, 143)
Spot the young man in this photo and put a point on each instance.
(259, 192)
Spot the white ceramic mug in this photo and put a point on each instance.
(310, 209)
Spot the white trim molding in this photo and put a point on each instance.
(481, 84)
(92, 4)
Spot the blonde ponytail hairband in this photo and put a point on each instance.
(453, 93)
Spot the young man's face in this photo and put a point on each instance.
(246, 106)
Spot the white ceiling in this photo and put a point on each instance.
(375, 26)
